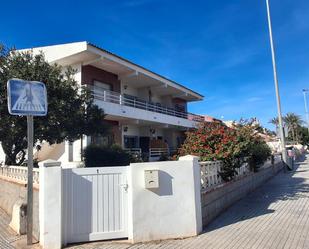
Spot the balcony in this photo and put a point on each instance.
(128, 106)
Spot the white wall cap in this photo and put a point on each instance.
(188, 158)
(49, 163)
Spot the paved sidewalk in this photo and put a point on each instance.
(276, 215)
(9, 239)
(7, 235)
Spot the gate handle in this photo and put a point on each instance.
(125, 186)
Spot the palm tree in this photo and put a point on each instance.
(274, 121)
(293, 122)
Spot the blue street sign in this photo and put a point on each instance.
(27, 97)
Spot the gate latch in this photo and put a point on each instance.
(125, 186)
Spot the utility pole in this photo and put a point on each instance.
(282, 138)
(306, 107)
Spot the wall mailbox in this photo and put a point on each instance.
(151, 179)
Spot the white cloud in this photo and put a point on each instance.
(254, 99)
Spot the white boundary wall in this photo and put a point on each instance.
(171, 211)
(50, 203)
(218, 198)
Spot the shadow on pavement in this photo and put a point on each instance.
(287, 186)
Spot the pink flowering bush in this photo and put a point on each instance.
(215, 141)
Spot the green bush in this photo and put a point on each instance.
(101, 156)
(136, 158)
(164, 157)
(259, 153)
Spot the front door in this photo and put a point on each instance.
(144, 144)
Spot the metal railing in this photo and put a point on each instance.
(132, 101)
(157, 152)
(19, 173)
(134, 151)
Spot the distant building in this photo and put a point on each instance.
(211, 119)
(229, 123)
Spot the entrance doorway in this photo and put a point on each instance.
(144, 144)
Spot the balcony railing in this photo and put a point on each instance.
(134, 151)
(131, 101)
(158, 152)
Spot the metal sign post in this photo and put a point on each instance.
(30, 179)
(28, 98)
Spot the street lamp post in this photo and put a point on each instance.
(282, 138)
(306, 107)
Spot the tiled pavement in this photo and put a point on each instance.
(7, 235)
(276, 215)
(9, 239)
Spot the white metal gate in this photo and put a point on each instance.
(94, 204)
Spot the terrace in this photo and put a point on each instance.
(136, 108)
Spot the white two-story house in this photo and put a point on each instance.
(147, 112)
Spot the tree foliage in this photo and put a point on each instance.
(303, 135)
(274, 121)
(101, 156)
(71, 111)
(233, 146)
(293, 122)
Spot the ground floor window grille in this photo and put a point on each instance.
(131, 142)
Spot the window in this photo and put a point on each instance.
(101, 87)
(130, 142)
(180, 141)
(180, 108)
(107, 140)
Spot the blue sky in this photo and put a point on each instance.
(218, 48)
